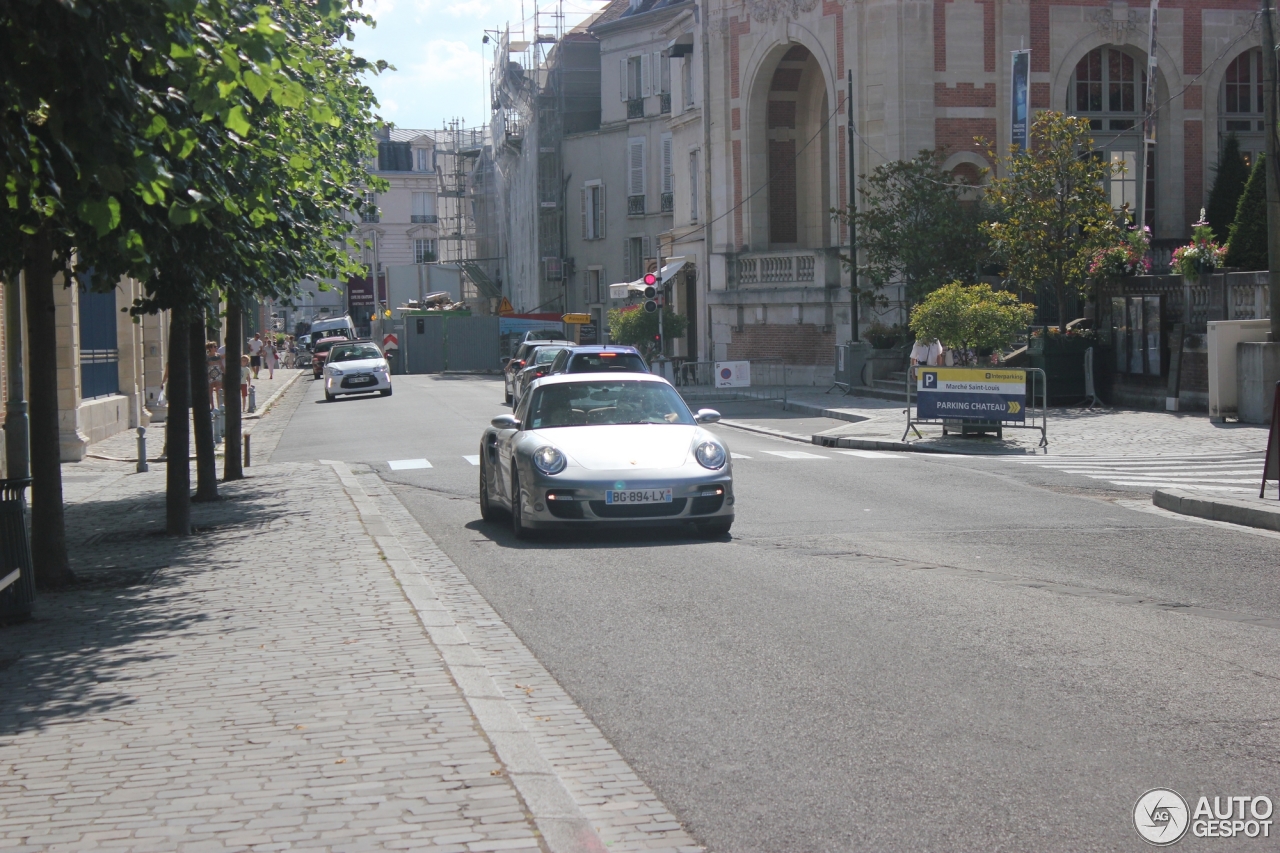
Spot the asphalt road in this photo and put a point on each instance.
(893, 652)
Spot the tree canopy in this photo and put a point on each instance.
(913, 226)
(1228, 185)
(1052, 214)
(1247, 242)
(969, 319)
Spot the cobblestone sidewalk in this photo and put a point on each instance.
(267, 684)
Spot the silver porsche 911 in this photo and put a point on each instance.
(588, 449)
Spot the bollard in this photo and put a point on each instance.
(253, 398)
(213, 421)
(220, 430)
(142, 451)
(247, 454)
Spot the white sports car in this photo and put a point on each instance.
(356, 368)
(588, 450)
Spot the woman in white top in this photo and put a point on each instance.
(269, 355)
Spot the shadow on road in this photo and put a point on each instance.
(587, 538)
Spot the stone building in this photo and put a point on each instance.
(930, 73)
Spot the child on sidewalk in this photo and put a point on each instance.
(246, 374)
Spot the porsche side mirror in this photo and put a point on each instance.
(505, 422)
(707, 416)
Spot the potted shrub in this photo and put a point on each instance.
(970, 319)
(1202, 255)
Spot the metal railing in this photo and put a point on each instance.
(668, 202)
(664, 103)
(635, 205)
(696, 382)
(635, 108)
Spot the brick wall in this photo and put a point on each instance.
(1039, 96)
(794, 343)
(956, 134)
(988, 35)
(964, 95)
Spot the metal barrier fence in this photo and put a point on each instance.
(1035, 411)
(696, 382)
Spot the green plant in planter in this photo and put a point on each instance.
(970, 319)
(881, 336)
(1202, 254)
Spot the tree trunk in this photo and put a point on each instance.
(177, 427)
(232, 442)
(48, 526)
(201, 410)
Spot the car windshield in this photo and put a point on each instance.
(546, 355)
(352, 353)
(607, 362)
(589, 403)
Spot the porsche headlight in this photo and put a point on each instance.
(548, 460)
(710, 455)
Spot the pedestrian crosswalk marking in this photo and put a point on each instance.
(871, 454)
(408, 464)
(795, 454)
(474, 460)
(1221, 472)
(739, 456)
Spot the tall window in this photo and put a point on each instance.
(693, 186)
(422, 160)
(1241, 106)
(637, 248)
(424, 251)
(668, 182)
(663, 80)
(369, 213)
(635, 78)
(593, 218)
(1108, 88)
(591, 293)
(635, 177)
(424, 207)
(99, 355)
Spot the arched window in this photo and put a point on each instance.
(1108, 87)
(1240, 104)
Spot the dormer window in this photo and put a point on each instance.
(422, 160)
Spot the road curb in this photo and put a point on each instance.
(1231, 510)
(563, 826)
(776, 433)
(275, 395)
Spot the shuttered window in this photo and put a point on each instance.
(635, 176)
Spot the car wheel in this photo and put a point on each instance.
(488, 511)
(517, 510)
(506, 397)
(386, 392)
(714, 529)
(330, 397)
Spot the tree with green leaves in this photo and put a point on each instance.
(969, 319)
(913, 226)
(1247, 241)
(633, 326)
(1051, 211)
(1228, 185)
(198, 145)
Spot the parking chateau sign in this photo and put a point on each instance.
(971, 394)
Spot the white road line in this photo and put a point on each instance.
(1196, 486)
(795, 454)
(474, 460)
(739, 456)
(872, 454)
(407, 464)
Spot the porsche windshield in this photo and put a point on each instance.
(590, 403)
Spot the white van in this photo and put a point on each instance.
(333, 327)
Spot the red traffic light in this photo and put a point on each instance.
(650, 279)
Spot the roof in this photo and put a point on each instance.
(567, 378)
(621, 9)
(406, 134)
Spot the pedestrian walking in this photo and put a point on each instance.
(215, 368)
(269, 357)
(255, 353)
(246, 376)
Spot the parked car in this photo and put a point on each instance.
(599, 359)
(320, 351)
(519, 362)
(583, 450)
(357, 367)
(539, 366)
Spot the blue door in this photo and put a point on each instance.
(99, 353)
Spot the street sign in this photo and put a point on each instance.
(578, 319)
(390, 341)
(971, 394)
(733, 374)
(505, 306)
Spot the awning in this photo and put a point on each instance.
(624, 290)
(674, 265)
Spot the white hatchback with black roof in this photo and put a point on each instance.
(358, 367)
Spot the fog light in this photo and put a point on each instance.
(731, 500)
(539, 506)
